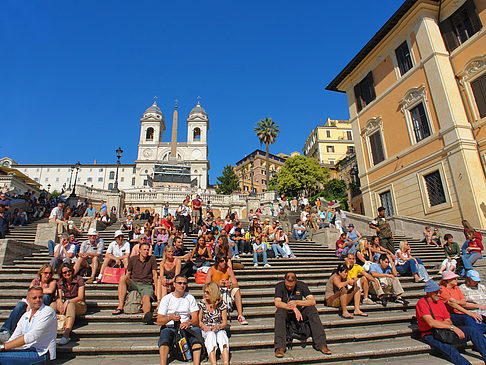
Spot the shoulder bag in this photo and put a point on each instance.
(443, 334)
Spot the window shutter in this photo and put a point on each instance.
(473, 15)
(479, 90)
(357, 96)
(376, 148)
(447, 30)
(371, 85)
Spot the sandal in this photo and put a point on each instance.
(361, 314)
(348, 316)
(117, 312)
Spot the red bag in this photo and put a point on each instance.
(200, 277)
(112, 275)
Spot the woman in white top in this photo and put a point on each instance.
(406, 263)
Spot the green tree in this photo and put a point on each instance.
(267, 131)
(335, 189)
(228, 181)
(301, 174)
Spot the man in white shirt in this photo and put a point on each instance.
(184, 212)
(179, 308)
(34, 338)
(91, 250)
(56, 217)
(63, 252)
(118, 251)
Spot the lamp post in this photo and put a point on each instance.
(75, 167)
(71, 176)
(49, 188)
(252, 189)
(274, 175)
(119, 152)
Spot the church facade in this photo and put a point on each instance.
(159, 164)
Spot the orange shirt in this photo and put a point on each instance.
(446, 293)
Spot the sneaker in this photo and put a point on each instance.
(255, 265)
(4, 336)
(148, 318)
(401, 301)
(237, 256)
(383, 302)
(279, 353)
(242, 320)
(63, 341)
(367, 301)
(266, 265)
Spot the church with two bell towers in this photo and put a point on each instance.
(156, 158)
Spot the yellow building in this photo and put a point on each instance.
(254, 164)
(417, 103)
(330, 142)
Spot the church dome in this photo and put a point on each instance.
(153, 109)
(198, 109)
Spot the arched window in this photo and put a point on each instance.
(197, 134)
(149, 136)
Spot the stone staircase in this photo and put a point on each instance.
(98, 337)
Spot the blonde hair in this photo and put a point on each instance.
(361, 247)
(214, 292)
(164, 255)
(43, 267)
(402, 245)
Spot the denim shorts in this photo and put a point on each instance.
(167, 335)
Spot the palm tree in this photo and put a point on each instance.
(267, 131)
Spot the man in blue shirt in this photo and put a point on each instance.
(390, 287)
(103, 207)
(299, 231)
(88, 217)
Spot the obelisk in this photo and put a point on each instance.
(173, 143)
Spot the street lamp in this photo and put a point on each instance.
(75, 167)
(71, 176)
(49, 188)
(119, 152)
(252, 189)
(274, 176)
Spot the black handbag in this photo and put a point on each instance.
(443, 334)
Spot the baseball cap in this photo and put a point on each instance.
(474, 275)
(92, 232)
(118, 233)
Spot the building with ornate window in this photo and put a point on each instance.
(417, 102)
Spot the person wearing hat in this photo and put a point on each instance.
(459, 309)
(351, 240)
(474, 291)
(383, 230)
(117, 253)
(91, 250)
(432, 304)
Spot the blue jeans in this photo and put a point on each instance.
(467, 321)
(299, 235)
(50, 246)
(159, 250)
(167, 335)
(258, 254)
(469, 259)
(348, 249)
(22, 357)
(409, 266)
(278, 250)
(234, 249)
(14, 317)
(451, 352)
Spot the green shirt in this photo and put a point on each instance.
(454, 250)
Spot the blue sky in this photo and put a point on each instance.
(76, 76)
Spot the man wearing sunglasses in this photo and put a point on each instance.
(34, 338)
(179, 309)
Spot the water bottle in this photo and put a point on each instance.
(185, 349)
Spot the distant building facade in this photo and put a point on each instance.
(154, 165)
(255, 164)
(417, 103)
(330, 142)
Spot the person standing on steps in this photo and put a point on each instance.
(383, 230)
(295, 302)
(184, 213)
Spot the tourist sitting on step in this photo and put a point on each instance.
(260, 250)
(364, 256)
(56, 216)
(224, 249)
(436, 237)
(160, 237)
(200, 256)
(432, 314)
(474, 291)
(179, 309)
(34, 338)
(341, 245)
(428, 237)
(405, 263)
(222, 273)
(44, 280)
(169, 268)
(353, 236)
(63, 252)
(105, 218)
(70, 299)
(116, 255)
(295, 303)
(127, 223)
(4, 222)
(133, 235)
(365, 281)
(281, 244)
(377, 250)
(68, 218)
(141, 276)
(90, 254)
(461, 311)
(452, 252)
(390, 288)
(299, 231)
(471, 251)
(237, 240)
(213, 319)
(270, 230)
(88, 217)
(341, 290)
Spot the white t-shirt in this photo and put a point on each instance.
(56, 213)
(118, 251)
(69, 249)
(184, 306)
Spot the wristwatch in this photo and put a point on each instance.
(452, 327)
(2, 347)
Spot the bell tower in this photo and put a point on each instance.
(152, 127)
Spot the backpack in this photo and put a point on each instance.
(133, 303)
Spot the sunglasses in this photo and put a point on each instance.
(181, 282)
(206, 292)
(66, 272)
(47, 273)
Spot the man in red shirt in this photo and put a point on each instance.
(432, 313)
(196, 209)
